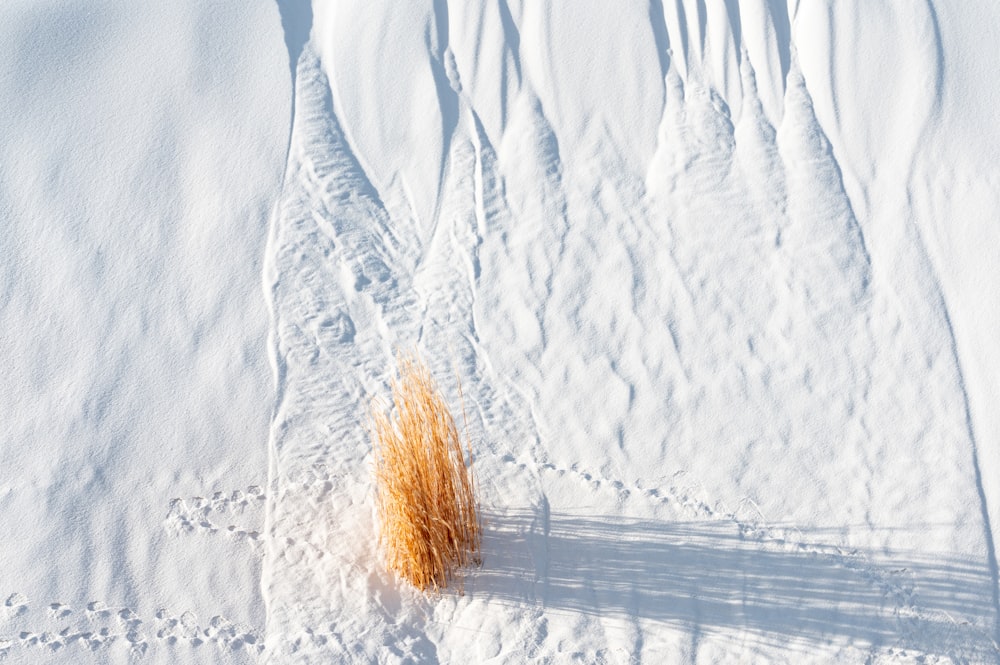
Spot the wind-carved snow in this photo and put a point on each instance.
(141, 149)
(716, 279)
(709, 420)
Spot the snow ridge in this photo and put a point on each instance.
(693, 289)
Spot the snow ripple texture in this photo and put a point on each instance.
(709, 367)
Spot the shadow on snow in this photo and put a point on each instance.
(704, 576)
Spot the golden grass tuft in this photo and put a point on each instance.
(429, 523)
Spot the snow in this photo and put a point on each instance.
(140, 152)
(716, 279)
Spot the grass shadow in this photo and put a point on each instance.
(703, 575)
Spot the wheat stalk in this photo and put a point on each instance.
(429, 524)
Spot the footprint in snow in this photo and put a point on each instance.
(15, 605)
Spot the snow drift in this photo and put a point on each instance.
(716, 277)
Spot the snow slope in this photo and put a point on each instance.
(717, 279)
(140, 153)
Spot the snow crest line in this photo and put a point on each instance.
(296, 22)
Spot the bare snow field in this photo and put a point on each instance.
(720, 281)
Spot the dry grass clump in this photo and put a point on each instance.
(428, 513)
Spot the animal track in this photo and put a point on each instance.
(123, 625)
(15, 605)
(59, 611)
(194, 515)
(896, 585)
(99, 626)
(220, 631)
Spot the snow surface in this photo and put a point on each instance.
(718, 280)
